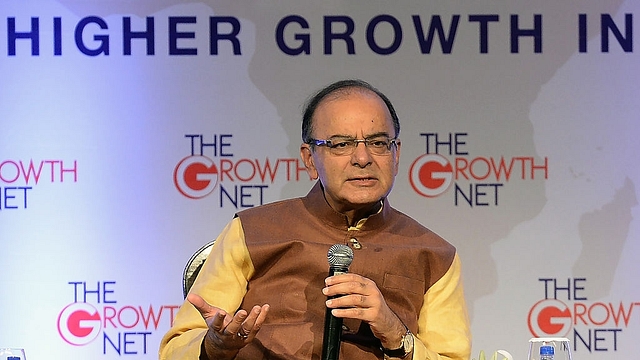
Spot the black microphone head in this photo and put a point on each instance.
(340, 256)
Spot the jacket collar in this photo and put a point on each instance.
(318, 206)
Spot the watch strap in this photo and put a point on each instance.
(403, 350)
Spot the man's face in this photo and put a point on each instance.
(361, 179)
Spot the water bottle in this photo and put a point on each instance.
(546, 352)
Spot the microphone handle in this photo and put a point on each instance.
(332, 327)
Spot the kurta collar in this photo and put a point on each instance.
(317, 205)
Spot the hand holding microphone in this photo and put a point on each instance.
(339, 257)
(357, 297)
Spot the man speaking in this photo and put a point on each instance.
(263, 292)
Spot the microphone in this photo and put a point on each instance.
(339, 257)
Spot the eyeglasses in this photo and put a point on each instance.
(340, 146)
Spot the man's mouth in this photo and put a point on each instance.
(362, 179)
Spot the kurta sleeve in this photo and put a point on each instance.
(222, 282)
(443, 322)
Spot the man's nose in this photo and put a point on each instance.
(361, 155)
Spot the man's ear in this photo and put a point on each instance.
(398, 145)
(307, 158)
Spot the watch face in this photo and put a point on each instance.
(407, 343)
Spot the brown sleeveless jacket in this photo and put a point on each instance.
(288, 243)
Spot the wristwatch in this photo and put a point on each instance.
(406, 347)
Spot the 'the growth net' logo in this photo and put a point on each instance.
(566, 312)
(476, 180)
(18, 179)
(122, 329)
(240, 182)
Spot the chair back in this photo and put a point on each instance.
(193, 267)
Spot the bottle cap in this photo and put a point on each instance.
(546, 350)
